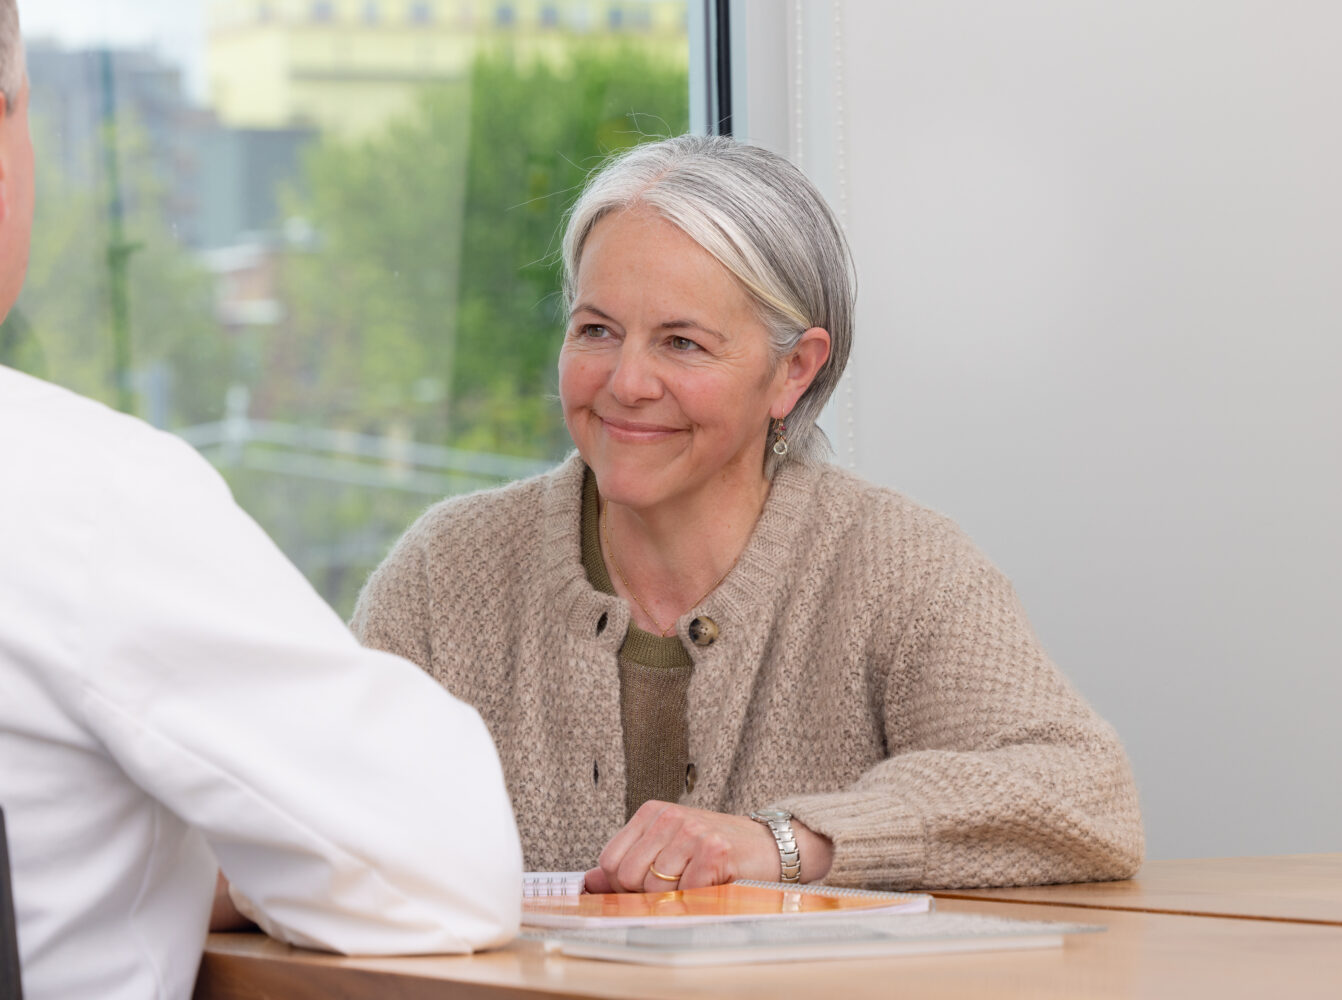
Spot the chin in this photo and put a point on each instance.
(626, 487)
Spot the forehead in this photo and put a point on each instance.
(637, 249)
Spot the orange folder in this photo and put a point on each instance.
(710, 904)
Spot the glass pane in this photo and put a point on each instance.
(319, 240)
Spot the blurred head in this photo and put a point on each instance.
(758, 217)
(16, 159)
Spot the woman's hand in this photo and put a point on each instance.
(700, 848)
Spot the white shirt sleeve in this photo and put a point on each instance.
(354, 804)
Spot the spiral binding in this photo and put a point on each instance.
(536, 884)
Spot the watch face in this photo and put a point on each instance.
(765, 815)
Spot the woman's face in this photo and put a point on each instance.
(665, 374)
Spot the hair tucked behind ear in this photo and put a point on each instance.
(761, 218)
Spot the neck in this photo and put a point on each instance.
(666, 559)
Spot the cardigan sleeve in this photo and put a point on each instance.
(998, 772)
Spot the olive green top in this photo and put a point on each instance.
(654, 679)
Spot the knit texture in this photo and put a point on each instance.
(874, 674)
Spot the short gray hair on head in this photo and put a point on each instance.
(12, 65)
(759, 217)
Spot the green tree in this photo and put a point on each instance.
(425, 307)
(372, 303)
(430, 300)
(61, 329)
(524, 174)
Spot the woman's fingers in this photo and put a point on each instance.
(630, 853)
(596, 880)
(665, 847)
(663, 875)
(713, 862)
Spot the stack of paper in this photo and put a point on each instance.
(710, 904)
(739, 922)
(808, 940)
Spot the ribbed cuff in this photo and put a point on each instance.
(877, 844)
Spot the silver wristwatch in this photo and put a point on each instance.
(779, 822)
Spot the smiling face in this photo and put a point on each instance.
(665, 374)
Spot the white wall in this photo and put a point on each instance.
(1100, 324)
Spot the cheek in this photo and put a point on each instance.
(719, 401)
(579, 378)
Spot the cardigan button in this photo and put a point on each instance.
(704, 631)
(691, 778)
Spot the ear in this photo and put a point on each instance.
(800, 368)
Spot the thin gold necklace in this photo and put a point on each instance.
(665, 633)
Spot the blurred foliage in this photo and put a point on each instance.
(431, 298)
(61, 328)
(423, 305)
(525, 172)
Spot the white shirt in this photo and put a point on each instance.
(173, 692)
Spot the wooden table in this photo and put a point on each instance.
(1144, 953)
(1304, 888)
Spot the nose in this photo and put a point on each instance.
(635, 377)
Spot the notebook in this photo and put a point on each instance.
(872, 936)
(551, 900)
(552, 883)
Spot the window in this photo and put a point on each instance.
(549, 16)
(504, 15)
(323, 10)
(337, 286)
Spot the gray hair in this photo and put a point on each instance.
(759, 217)
(13, 69)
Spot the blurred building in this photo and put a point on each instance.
(83, 98)
(243, 178)
(350, 65)
(216, 185)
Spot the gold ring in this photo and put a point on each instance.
(665, 878)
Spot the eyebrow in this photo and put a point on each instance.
(671, 324)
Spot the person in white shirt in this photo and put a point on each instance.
(175, 699)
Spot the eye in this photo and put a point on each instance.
(593, 331)
(683, 344)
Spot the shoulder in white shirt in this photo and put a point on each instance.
(176, 693)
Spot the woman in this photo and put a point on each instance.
(696, 619)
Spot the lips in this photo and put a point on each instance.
(635, 431)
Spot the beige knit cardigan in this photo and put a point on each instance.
(873, 673)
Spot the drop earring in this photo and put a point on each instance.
(780, 439)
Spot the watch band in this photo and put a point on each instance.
(779, 822)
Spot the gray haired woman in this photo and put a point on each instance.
(704, 652)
